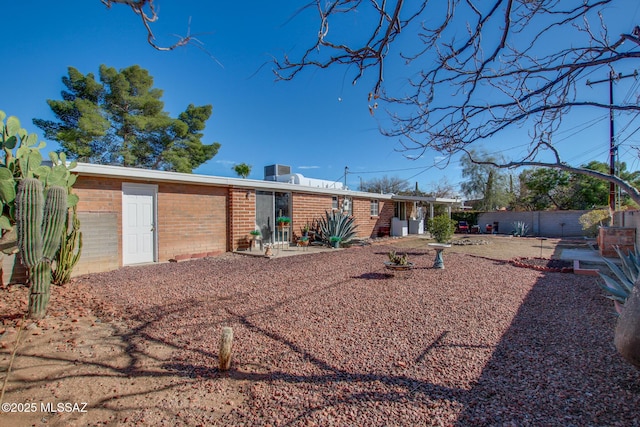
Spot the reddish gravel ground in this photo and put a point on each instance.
(331, 339)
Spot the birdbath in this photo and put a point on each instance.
(439, 247)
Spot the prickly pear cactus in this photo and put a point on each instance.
(20, 158)
(40, 223)
(20, 168)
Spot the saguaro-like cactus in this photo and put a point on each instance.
(70, 250)
(40, 224)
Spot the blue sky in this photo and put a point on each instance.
(318, 123)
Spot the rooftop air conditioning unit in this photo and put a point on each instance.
(272, 172)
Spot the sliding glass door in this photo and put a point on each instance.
(269, 206)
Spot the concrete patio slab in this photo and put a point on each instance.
(587, 255)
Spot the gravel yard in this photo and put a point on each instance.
(335, 339)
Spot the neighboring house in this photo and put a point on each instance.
(133, 216)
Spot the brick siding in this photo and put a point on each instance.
(195, 220)
(192, 220)
(241, 216)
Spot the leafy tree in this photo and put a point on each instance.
(589, 192)
(474, 68)
(242, 169)
(120, 120)
(544, 188)
(386, 184)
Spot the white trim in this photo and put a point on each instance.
(89, 169)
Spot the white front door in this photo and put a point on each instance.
(138, 223)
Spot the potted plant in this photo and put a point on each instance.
(335, 241)
(267, 250)
(305, 230)
(255, 233)
(398, 262)
(283, 221)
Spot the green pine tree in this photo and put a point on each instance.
(120, 120)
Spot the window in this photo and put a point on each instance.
(374, 207)
(334, 202)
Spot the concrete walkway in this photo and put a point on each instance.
(280, 251)
(586, 255)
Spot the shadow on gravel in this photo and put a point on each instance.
(556, 364)
(553, 364)
(374, 276)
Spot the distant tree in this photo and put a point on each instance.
(443, 189)
(485, 183)
(386, 184)
(242, 169)
(545, 188)
(120, 120)
(589, 192)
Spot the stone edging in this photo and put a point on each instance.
(517, 263)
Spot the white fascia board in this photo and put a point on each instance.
(88, 169)
(437, 200)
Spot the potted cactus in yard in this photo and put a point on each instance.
(398, 262)
(335, 241)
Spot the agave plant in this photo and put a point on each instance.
(619, 288)
(337, 224)
(520, 228)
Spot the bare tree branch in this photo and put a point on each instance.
(146, 10)
(474, 67)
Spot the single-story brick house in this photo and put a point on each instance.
(132, 216)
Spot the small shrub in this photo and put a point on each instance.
(441, 228)
(594, 219)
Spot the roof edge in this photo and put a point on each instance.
(110, 171)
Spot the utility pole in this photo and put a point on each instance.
(346, 171)
(613, 148)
